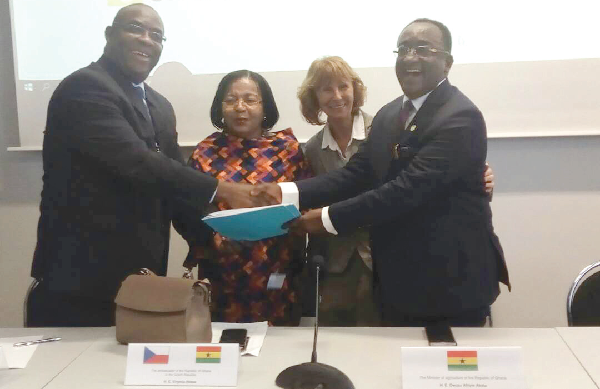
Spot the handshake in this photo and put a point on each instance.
(248, 196)
(263, 194)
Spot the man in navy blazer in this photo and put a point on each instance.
(417, 182)
(114, 179)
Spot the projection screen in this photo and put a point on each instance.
(530, 66)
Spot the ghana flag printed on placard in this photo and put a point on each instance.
(462, 360)
(208, 354)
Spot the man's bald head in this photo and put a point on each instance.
(134, 41)
(122, 13)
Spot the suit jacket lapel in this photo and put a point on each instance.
(385, 134)
(158, 118)
(328, 158)
(144, 130)
(434, 101)
(137, 102)
(393, 134)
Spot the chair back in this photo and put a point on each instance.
(583, 300)
(34, 283)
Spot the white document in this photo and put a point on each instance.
(256, 334)
(462, 367)
(18, 357)
(3, 364)
(182, 364)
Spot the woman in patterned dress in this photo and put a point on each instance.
(244, 150)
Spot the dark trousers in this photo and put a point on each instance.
(392, 317)
(48, 308)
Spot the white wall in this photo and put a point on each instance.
(546, 209)
(546, 212)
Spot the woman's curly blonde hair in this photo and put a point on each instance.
(319, 73)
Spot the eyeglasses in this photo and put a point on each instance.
(248, 101)
(420, 51)
(137, 30)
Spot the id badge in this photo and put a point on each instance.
(275, 281)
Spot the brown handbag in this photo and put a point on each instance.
(154, 309)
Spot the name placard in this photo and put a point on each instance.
(462, 367)
(182, 364)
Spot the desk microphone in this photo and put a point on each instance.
(314, 375)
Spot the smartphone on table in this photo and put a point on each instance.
(440, 335)
(235, 335)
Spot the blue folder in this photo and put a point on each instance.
(252, 223)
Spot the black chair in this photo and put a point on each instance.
(583, 301)
(34, 283)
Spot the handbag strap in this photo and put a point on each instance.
(188, 275)
(206, 286)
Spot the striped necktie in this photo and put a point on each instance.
(407, 109)
(141, 93)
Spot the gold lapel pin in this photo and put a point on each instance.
(413, 127)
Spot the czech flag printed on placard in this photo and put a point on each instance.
(156, 355)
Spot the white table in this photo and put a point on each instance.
(51, 358)
(584, 342)
(548, 362)
(369, 356)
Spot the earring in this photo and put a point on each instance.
(223, 125)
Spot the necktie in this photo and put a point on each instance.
(407, 109)
(401, 149)
(141, 93)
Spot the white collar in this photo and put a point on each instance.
(140, 85)
(358, 132)
(418, 102)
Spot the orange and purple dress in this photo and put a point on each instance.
(239, 277)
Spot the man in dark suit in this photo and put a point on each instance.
(114, 178)
(417, 183)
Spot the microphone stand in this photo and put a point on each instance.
(313, 374)
(313, 358)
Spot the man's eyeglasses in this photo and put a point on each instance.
(420, 51)
(249, 101)
(137, 30)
